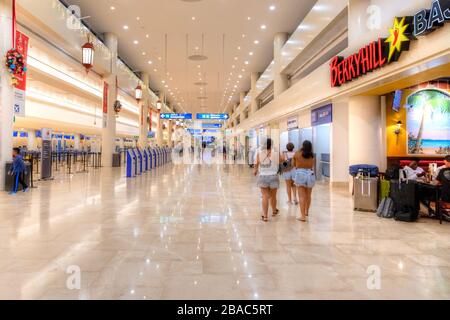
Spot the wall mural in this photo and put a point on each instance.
(428, 121)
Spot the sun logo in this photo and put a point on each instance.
(398, 39)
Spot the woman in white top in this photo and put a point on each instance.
(288, 172)
(266, 168)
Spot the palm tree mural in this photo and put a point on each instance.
(431, 101)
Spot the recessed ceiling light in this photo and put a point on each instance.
(272, 8)
(193, 18)
(150, 62)
(113, 8)
(256, 42)
(136, 42)
(263, 27)
(249, 18)
(126, 27)
(250, 53)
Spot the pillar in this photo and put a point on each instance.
(6, 91)
(109, 125)
(281, 82)
(171, 135)
(144, 108)
(159, 133)
(365, 142)
(340, 143)
(254, 79)
(31, 140)
(77, 142)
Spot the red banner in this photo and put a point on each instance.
(105, 97)
(22, 47)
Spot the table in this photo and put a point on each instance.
(436, 187)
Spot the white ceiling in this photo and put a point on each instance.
(237, 23)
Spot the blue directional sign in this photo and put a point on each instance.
(213, 116)
(212, 125)
(176, 116)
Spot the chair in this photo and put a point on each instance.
(444, 210)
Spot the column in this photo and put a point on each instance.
(145, 103)
(77, 142)
(170, 143)
(365, 142)
(281, 82)
(31, 140)
(109, 125)
(254, 80)
(340, 143)
(6, 91)
(159, 133)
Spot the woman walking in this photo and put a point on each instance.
(289, 172)
(266, 168)
(305, 179)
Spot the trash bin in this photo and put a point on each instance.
(116, 163)
(9, 180)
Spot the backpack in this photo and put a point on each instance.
(386, 208)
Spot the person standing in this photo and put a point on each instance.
(18, 170)
(266, 168)
(305, 179)
(288, 173)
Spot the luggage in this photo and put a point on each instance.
(392, 173)
(386, 208)
(365, 169)
(366, 194)
(406, 200)
(385, 189)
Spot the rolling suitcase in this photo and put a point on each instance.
(366, 194)
(406, 200)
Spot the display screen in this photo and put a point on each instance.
(397, 100)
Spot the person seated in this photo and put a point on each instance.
(413, 171)
(444, 179)
(446, 165)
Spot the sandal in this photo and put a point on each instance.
(302, 220)
(264, 219)
(275, 213)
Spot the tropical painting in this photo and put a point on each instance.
(428, 121)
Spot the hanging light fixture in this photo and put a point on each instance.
(138, 93)
(88, 55)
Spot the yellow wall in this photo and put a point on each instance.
(396, 145)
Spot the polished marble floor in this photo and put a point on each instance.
(193, 232)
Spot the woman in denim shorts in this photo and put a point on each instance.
(289, 173)
(266, 168)
(305, 179)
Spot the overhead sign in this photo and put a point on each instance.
(212, 125)
(176, 116)
(387, 50)
(323, 115)
(21, 86)
(213, 116)
(292, 124)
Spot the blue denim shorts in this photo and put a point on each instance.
(271, 182)
(289, 175)
(304, 178)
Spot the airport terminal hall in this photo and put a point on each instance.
(203, 151)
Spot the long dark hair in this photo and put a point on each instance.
(268, 144)
(307, 150)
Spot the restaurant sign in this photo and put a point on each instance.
(387, 50)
